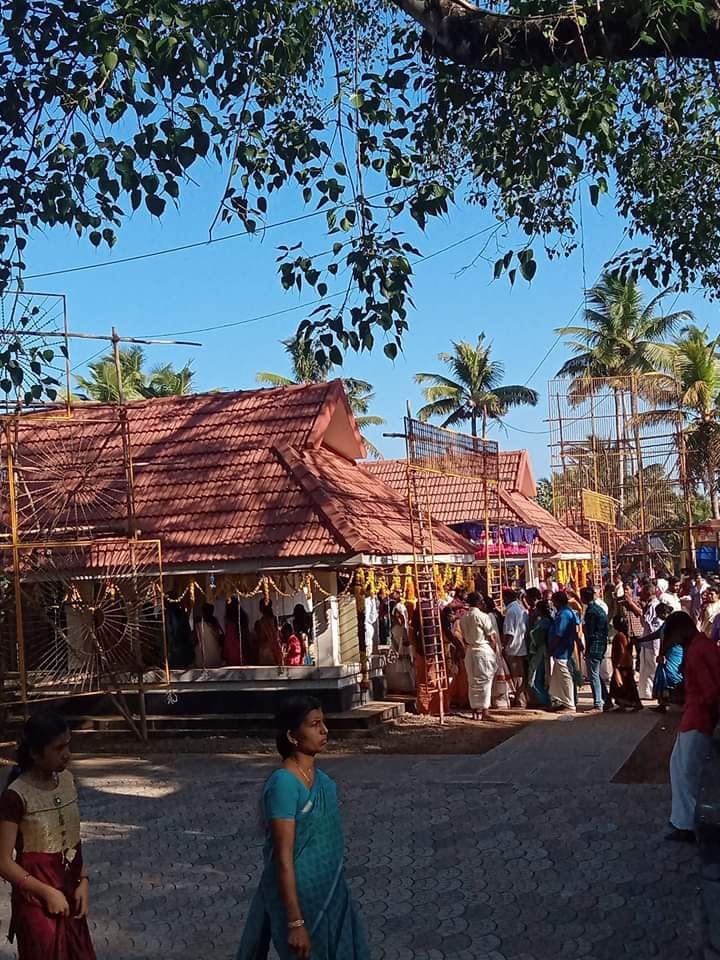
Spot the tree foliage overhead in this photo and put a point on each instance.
(378, 114)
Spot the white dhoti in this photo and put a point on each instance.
(648, 666)
(502, 684)
(562, 688)
(480, 664)
(686, 766)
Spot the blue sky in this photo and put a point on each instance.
(236, 281)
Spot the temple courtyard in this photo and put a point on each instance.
(527, 852)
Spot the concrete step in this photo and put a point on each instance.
(361, 720)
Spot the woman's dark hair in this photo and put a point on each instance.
(41, 729)
(290, 715)
(620, 624)
(542, 608)
(266, 607)
(679, 628)
(560, 599)
(208, 612)
(286, 630)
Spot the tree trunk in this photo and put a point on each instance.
(712, 490)
(484, 423)
(473, 423)
(494, 42)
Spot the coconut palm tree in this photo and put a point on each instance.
(619, 339)
(138, 384)
(166, 381)
(102, 382)
(304, 365)
(474, 391)
(305, 368)
(693, 361)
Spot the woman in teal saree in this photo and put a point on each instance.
(302, 905)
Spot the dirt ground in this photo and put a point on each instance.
(410, 734)
(650, 761)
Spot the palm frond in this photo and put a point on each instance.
(438, 408)
(274, 379)
(517, 395)
(369, 421)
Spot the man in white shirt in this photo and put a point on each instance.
(709, 610)
(481, 643)
(668, 593)
(515, 630)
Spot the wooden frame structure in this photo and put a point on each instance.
(622, 439)
(78, 580)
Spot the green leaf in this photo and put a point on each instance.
(528, 269)
(110, 60)
(155, 204)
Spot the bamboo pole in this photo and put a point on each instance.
(132, 523)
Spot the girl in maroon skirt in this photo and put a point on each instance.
(40, 851)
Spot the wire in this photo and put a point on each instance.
(311, 303)
(203, 243)
(575, 312)
(536, 433)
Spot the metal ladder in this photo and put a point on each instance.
(436, 679)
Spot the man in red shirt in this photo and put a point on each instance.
(700, 715)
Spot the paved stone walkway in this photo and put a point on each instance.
(458, 857)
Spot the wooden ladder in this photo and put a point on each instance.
(436, 676)
(596, 547)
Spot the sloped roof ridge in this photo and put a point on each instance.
(188, 398)
(232, 394)
(291, 459)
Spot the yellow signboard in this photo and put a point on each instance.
(598, 507)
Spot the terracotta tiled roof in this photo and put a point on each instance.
(461, 500)
(258, 475)
(515, 472)
(556, 536)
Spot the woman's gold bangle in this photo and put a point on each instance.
(296, 924)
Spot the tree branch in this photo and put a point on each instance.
(495, 42)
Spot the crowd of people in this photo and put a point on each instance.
(638, 643)
(208, 638)
(627, 642)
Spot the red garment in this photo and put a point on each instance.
(702, 686)
(293, 651)
(40, 936)
(231, 644)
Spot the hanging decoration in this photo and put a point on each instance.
(410, 592)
